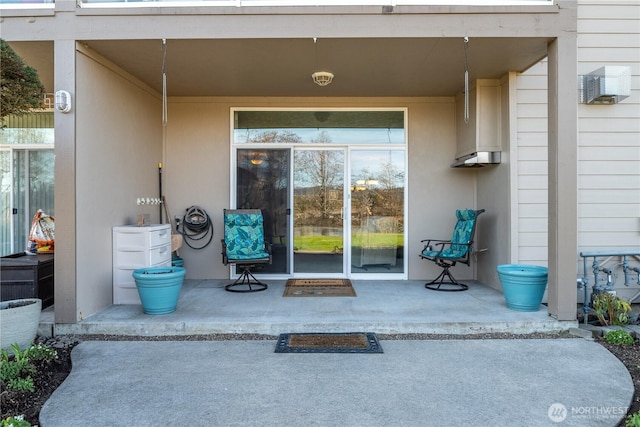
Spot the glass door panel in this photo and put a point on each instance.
(6, 210)
(263, 183)
(27, 184)
(318, 211)
(377, 211)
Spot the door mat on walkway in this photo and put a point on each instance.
(350, 342)
(319, 288)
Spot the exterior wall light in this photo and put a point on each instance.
(63, 101)
(606, 85)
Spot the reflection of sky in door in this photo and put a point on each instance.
(371, 164)
(335, 136)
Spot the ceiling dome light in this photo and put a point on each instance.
(322, 78)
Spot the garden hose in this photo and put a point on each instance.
(196, 226)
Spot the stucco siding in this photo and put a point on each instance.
(493, 241)
(126, 146)
(197, 161)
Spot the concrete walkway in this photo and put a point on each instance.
(537, 382)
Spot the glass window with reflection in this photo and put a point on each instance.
(308, 127)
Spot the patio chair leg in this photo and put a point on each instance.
(452, 285)
(247, 282)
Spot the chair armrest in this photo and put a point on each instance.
(268, 249)
(447, 244)
(225, 260)
(430, 242)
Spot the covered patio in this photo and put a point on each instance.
(219, 59)
(384, 307)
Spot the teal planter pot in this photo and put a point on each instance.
(159, 288)
(523, 286)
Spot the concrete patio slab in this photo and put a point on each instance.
(533, 382)
(380, 306)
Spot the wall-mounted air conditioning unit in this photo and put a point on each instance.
(606, 85)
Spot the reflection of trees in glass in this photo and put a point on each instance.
(41, 183)
(263, 177)
(390, 176)
(26, 136)
(319, 185)
(265, 186)
(379, 193)
(275, 136)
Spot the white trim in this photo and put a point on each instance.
(30, 6)
(346, 149)
(346, 225)
(303, 3)
(30, 147)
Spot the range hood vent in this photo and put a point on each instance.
(478, 160)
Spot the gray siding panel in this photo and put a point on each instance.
(608, 141)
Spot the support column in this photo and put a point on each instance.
(563, 173)
(65, 188)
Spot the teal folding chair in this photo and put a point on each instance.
(447, 253)
(244, 245)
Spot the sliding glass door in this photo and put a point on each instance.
(377, 211)
(262, 182)
(26, 176)
(318, 211)
(27, 185)
(331, 185)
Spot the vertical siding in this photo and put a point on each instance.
(608, 142)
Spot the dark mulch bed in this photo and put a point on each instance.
(51, 376)
(629, 355)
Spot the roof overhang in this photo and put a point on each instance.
(381, 67)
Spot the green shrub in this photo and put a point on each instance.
(16, 373)
(22, 385)
(13, 370)
(633, 420)
(41, 352)
(17, 421)
(619, 337)
(611, 309)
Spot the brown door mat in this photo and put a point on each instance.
(319, 288)
(349, 342)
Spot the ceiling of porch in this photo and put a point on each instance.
(283, 67)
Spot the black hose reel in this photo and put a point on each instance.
(195, 227)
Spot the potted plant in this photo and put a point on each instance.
(159, 288)
(19, 320)
(523, 285)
